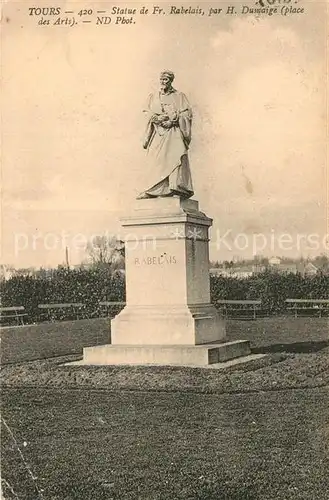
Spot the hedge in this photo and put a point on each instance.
(272, 288)
(90, 286)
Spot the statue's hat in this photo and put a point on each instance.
(168, 73)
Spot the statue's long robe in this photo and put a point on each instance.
(167, 149)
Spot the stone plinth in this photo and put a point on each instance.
(168, 319)
(167, 277)
(200, 355)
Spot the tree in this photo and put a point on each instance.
(106, 252)
(322, 262)
(228, 264)
(260, 260)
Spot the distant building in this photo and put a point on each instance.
(275, 264)
(274, 261)
(238, 271)
(286, 268)
(305, 268)
(243, 271)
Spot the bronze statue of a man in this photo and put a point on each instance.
(167, 139)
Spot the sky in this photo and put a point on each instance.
(72, 127)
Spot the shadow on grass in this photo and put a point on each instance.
(296, 347)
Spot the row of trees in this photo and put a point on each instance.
(90, 286)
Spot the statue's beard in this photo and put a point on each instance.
(165, 88)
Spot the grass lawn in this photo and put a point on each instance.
(275, 331)
(258, 431)
(86, 444)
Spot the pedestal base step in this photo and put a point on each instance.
(181, 355)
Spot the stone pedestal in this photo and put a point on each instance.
(167, 277)
(183, 355)
(169, 318)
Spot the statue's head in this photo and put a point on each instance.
(166, 79)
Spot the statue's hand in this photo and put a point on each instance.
(167, 124)
(162, 118)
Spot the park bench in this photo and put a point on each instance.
(60, 312)
(244, 309)
(319, 307)
(110, 309)
(13, 314)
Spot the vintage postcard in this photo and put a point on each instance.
(164, 263)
